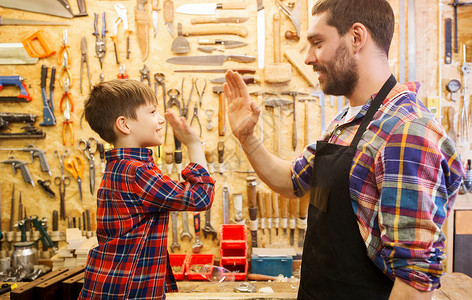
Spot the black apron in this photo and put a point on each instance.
(335, 264)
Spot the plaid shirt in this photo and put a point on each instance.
(403, 182)
(133, 207)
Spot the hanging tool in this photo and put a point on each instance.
(15, 54)
(275, 211)
(465, 71)
(23, 96)
(142, 27)
(20, 208)
(180, 45)
(307, 121)
(284, 213)
(302, 218)
(221, 152)
(453, 86)
(262, 211)
(209, 117)
(22, 165)
(212, 20)
(209, 60)
(293, 217)
(197, 246)
(145, 74)
(84, 60)
(208, 8)
(295, 57)
(280, 104)
(294, 95)
(45, 186)
(155, 16)
(200, 94)
(35, 39)
(64, 51)
(321, 97)
(226, 219)
(35, 152)
(294, 15)
(260, 34)
(215, 30)
(252, 205)
(238, 208)
(65, 72)
(450, 121)
(28, 120)
(195, 116)
(208, 229)
(210, 50)
(185, 105)
(89, 147)
(82, 9)
(12, 208)
(210, 158)
(62, 182)
(456, 4)
(75, 166)
(277, 72)
(122, 74)
(169, 160)
(100, 43)
(69, 107)
(246, 79)
(49, 119)
(260, 95)
(123, 18)
(268, 211)
(168, 7)
(101, 151)
(221, 110)
(173, 101)
(240, 71)
(48, 7)
(175, 241)
(185, 230)
(448, 41)
(159, 79)
(8, 21)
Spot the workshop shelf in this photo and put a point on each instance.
(199, 259)
(178, 260)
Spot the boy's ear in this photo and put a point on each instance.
(121, 124)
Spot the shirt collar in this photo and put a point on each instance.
(143, 154)
(397, 89)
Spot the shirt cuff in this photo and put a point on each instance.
(196, 173)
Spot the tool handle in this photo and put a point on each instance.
(82, 9)
(293, 208)
(168, 11)
(178, 151)
(95, 24)
(294, 133)
(260, 277)
(155, 5)
(260, 202)
(213, 30)
(212, 20)
(196, 222)
(89, 227)
(44, 74)
(304, 203)
(209, 157)
(55, 220)
(242, 58)
(276, 37)
(221, 151)
(232, 5)
(268, 204)
(43, 162)
(275, 205)
(51, 82)
(226, 218)
(104, 26)
(284, 207)
(221, 115)
(251, 191)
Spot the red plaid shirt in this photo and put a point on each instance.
(133, 205)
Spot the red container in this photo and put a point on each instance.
(199, 259)
(237, 265)
(233, 252)
(233, 236)
(178, 260)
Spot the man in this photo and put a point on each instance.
(382, 179)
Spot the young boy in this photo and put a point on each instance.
(134, 198)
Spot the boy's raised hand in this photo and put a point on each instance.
(242, 112)
(182, 130)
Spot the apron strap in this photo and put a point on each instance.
(378, 100)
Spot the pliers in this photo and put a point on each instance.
(84, 59)
(184, 111)
(195, 116)
(145, 74)
(65, 72)
(200, 95)
(67, 124)
(173, 94)
(122, 74)
(66, 96)
(100, 46)
(64, 49)
(122, 17)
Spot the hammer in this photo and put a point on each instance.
(260, 95)
(306, 116)
(221, 110)
(294, 133)
(277, 103)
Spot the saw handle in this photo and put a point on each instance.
(214, 30)
(32, 51)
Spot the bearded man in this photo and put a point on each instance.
(384, 175)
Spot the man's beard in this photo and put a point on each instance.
(340, 76)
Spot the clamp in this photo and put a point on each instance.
(145, 74)
(122, 17)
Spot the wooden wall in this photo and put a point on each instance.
(428, 66)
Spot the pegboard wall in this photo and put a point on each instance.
(431, 72)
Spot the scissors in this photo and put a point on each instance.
(75, 166)
(62, 182)
(89, 147)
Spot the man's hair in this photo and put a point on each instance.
(111, 99)
(376, 15)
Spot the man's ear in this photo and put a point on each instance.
(121, 124)
(359, 36)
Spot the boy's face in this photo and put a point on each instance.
(146, 129)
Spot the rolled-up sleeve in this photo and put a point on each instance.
(420, 175)
(159, 192)
(302, 169)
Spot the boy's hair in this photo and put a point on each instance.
(376, 15)
(111, 99)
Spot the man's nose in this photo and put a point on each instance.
(310, 57)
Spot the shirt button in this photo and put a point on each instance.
(338, 131)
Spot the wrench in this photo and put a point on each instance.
(185, 232)
(198, 243)
(175, 240)
(208, 229)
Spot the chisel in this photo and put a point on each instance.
(302, 221)
(251, 196)
(260, 202)
(293, 216)
(275, 211)
(12, 207)
(268, 207)
(284, 213)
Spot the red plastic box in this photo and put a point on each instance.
(199, 259)
(233, 236)
(178, 260)
(237, 265)
(232, 252)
